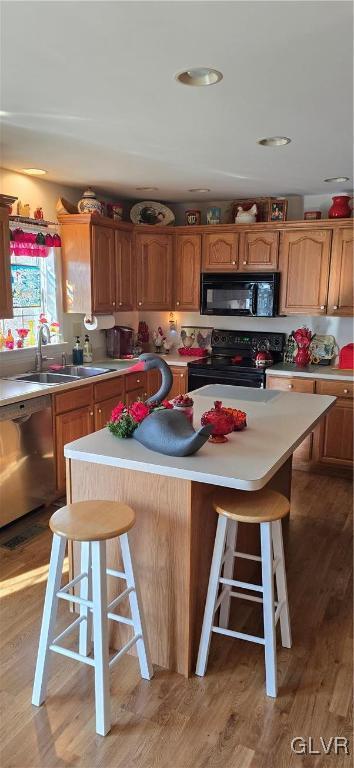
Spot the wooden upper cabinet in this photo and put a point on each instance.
(154, 260)
(259, 251)
(6, 309)
(340, 290)
(220, 252)
(124, 269)
(187, 272)
(103, 269)
(304, 265)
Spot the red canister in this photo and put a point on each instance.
(340, 208)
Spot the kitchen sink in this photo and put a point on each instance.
(82, 371)
(46, 378)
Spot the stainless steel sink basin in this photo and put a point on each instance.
(46, 378)
(82, 371)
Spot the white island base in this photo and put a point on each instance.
(172, 541)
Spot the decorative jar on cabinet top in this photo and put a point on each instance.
(89, 202)
(340, 208)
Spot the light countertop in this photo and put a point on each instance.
(277, 424)
(12, 391)
(310, 372)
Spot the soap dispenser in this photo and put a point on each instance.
(87, 350)
(78, 354)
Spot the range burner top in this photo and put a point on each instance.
(218, 362)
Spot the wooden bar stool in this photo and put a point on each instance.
(265, 507)
(91, 523)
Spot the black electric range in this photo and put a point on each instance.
(232, 359)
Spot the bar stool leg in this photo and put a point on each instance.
(49, 619)
(228, 573)
(212, 594)
(135, 602)
(268, 609)
(280, 578)
(100, 629)
(85, 633)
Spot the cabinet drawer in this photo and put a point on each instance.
(111, 388)
(73, 398)
(135, 381)
(291, 384)
(337, 388)
(135, 394)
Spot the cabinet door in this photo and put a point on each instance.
(103, 412)
(180, 381)
(70, 426)
(335, 443)
(259, 251)
(187, 272)
(153, 382)
(292, 384)
(103, 270)
(125, 298)
(304, 266)
(220, 252)
(6, 310)
(154, 271)
(135, 394)
(340, 291)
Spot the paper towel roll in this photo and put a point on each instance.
(100, 323)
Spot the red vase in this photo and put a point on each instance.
(222, 421)
(302, 357)
(340, 208)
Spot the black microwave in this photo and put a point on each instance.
(250, 294)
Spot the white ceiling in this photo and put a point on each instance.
(90, 94)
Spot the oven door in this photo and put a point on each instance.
(198, 378)
(252, 295)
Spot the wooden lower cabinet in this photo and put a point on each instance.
(334, 441)
(135, 394)
(331, 443)
(303, 453)
(180, 381)
(153, 382)
(70, 426)
(103, 412)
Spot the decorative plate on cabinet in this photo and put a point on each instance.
(151, 212)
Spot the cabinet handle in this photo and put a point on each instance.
(335, 306)
(290, 386)
(177, 303)
(234, 262)
(140, 303)
(120, 303)
(181, 375)
(100, 410)
(113, 303)
(244, 262)
(322, 306)
(345, 391)
(138, 381)
(91, 413)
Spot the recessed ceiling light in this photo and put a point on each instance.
(199, 76)
(274, 141)
(337, 178)
(200, 189)
(147, 189)
(33, 171)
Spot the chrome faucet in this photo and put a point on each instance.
(39, 359)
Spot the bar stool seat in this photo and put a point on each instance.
(267, 508)
(256, 507)
(91, 523)
(92, 520)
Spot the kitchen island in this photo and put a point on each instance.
(174, 533)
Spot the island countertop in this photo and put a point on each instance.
(277, 424)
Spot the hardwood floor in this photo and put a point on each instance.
(224, 719)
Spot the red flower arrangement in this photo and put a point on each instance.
(125, 419)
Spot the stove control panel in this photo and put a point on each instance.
(222, 340)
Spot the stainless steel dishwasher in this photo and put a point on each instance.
(27, 472)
